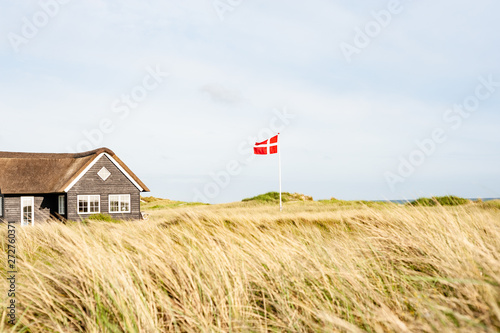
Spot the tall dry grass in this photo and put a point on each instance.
(247, 267)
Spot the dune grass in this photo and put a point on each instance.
(247, 267)
(448, 200)
(491, 204)
(151, 203)
(274, 197)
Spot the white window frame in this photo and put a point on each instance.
(88, 203)
(1, 205)
(119, 203)
(32, 201)
(61, 207)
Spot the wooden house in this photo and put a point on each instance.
(37, 186)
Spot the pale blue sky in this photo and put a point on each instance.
(353, 120)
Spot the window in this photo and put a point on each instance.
(88, 204)
(62, 205)
(119, 203)
(1, 205)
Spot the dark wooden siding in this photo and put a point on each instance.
(44, 206)
(92, 184)
(12, 209)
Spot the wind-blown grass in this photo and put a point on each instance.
(152, 203)
(449, 200)
(247, 267)
(274, 197)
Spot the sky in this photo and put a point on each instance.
(374, 100)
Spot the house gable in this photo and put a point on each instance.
(116, 183)
(93, 164)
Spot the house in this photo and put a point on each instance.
(37, 186)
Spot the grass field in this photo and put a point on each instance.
(318, 266)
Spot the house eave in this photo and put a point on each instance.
(93, 162)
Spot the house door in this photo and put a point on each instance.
(27, 211)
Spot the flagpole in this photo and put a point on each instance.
(279, 165)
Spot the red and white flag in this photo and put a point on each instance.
(267, 147)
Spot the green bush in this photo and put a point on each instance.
(449, 200)
(102, 217)
(275, 197)
(267, 197)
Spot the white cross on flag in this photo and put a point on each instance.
(266, 147)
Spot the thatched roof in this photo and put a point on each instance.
(38, 173)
